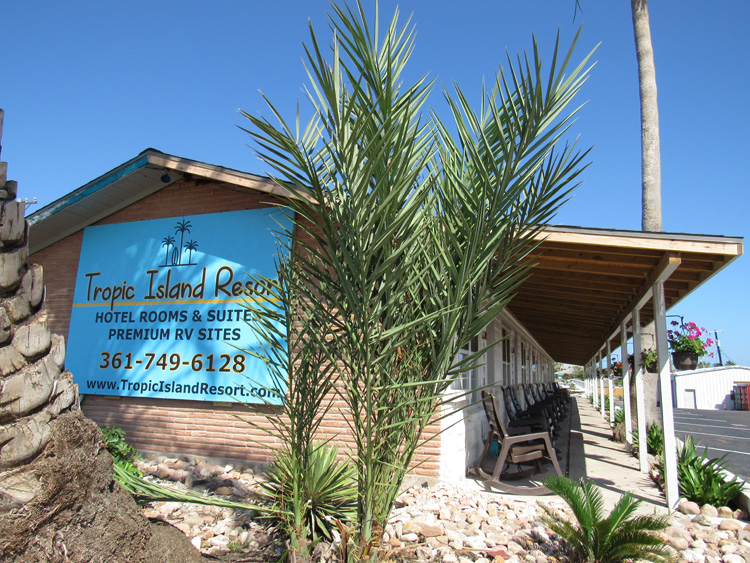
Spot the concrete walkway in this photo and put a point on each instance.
(593, 455)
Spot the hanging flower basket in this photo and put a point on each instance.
(684, 360)
(687, 345)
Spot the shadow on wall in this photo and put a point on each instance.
(727, 403)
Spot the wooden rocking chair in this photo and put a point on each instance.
(514, 449)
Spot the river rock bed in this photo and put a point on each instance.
(445, 523)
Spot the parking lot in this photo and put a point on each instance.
(722, 432)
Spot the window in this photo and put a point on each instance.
(506, 346)
(476, 377)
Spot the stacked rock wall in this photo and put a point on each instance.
(34, 387)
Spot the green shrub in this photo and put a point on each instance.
(328, 491)
(122, 453)
(654, 440)
(619, 416)
(621, 536)
(700, 478)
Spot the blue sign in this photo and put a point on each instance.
(158, 307)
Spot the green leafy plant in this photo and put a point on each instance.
(654, 440)
(701, 479)
(130, 478)
(621, 536)
(649, 359)
(123, 454)
(619, 416)
(409, 240)
(329, 491)
(144, 491)
(235, 546)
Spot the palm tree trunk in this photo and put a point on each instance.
(650, 151)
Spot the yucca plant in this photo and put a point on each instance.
(594, 538)
(413, 237)
(700, 477)
(329, 491)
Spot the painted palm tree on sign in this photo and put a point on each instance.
(167, 241)
(191, 246)
(181, 228)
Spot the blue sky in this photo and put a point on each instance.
(88, 85)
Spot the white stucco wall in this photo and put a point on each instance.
(462, 439)
(463, 428)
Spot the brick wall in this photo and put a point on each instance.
(175, 426)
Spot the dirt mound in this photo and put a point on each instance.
(81, 514)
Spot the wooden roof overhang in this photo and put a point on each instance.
(132, 181)
(585, 282)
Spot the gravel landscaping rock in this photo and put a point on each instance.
(441, 523)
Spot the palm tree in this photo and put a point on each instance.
(50, 451)
(190, 246)
(417, 234)
(621, 536)
(651, 218)
(650, 146)
(167, 242)
(182, 228)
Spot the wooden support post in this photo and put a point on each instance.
(595, 381)
(601, 385)
(640, 396)
(626, 383)
(611, 381)
(586, 379)
(671, 489)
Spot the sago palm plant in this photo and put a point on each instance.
(621, 536)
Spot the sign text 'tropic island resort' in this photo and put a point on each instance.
(158, 307)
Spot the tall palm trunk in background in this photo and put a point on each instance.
(650, 152)
(650, 163)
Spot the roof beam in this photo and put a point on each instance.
(666, 267)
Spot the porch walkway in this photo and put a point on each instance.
(586, 450)
(593, 455)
